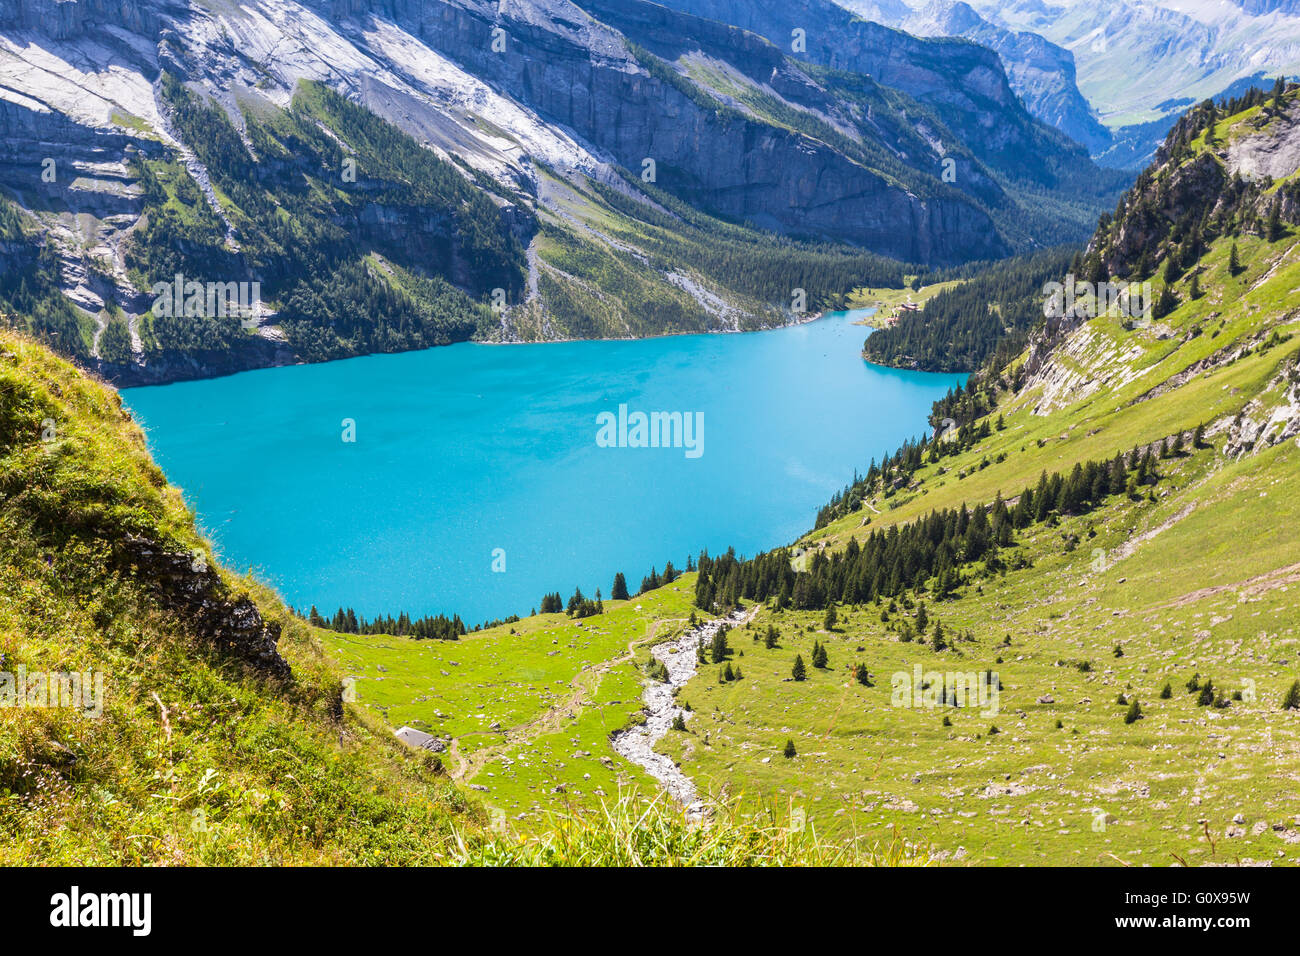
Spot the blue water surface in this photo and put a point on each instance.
(466, 449)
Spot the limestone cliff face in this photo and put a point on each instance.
(579, 72)
(575, 72)
(843, 140)
(962, 80)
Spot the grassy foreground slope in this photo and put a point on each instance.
(202, 754)
(221, 735)
(527, 707)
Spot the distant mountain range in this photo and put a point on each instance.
(1115, 74)
(397, 174)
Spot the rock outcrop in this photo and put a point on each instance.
(188, 586)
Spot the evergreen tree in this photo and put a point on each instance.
(828, 623)
(1134, 712)
(939, 642)
(798, 672)
(820, 658)
(719, 648)
(788, 751)
(619, 591)
(1206, 697)
(1273, 228)
(1291, 700)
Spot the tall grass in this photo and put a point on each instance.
(633, 831)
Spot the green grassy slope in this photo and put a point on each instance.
(198, 757)
(1191, 578)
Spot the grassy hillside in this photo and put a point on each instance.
(199, 756)
(1183, 581)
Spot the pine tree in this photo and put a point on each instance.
(1273, 228)
(619, 591)
(1134, 712)
(1234, 263)
(1166, 692)
(798, 672)
(829, 622)
(1291, 701)
(719, 648)
(819, 656)
(1166, 302)
(770, 640)
(1206, 697)
(788, 750)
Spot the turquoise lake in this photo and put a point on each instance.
(466, 449)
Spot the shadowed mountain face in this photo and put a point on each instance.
(1041, 73)
(421, 162)
(964, 81)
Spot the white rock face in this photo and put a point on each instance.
(240, 54)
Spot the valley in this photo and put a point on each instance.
(1148, 597)
(618, 433)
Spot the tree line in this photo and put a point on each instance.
(931, 552)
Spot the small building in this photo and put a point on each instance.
(418, 738)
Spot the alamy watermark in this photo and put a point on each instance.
(23, 688)
(932, 689)
(651, 430)
(181, 298)
(1091, 299)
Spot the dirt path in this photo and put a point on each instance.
(1250, 587)
(1132, 544)
(552, 719)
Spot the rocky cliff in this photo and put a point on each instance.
(909, 148)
